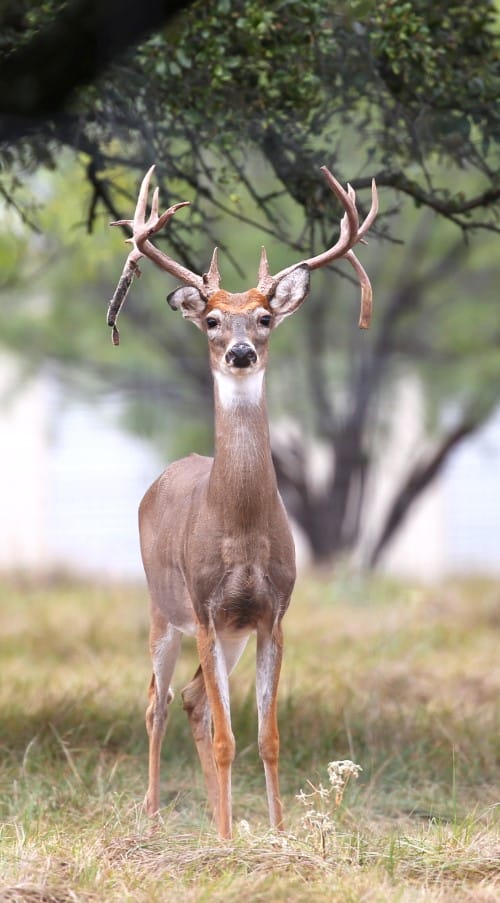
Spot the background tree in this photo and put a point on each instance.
(51, 49)
(239, 103)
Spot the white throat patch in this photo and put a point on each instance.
(239, 390)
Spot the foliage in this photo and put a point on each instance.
(405, 684)
(416, 79)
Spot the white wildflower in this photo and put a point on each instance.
(243, 828)
(318, 822)
(322, 792)
(342, 771)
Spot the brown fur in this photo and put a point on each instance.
(229, 302)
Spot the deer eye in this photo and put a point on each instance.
(265, 320)
(211, 322)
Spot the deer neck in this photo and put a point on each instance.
(243, 481)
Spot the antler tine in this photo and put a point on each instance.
(130, 270)
(345, 197)
(211, 279)
(369, 218)
(265, 279)
(142, 199)
(263, 264)
(155, 204)
(352, 195)
(365, 315)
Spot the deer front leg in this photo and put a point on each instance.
(165, 644)
(195, 702)
(215, 674)
(269, 658)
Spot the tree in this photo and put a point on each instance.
(294, 82)
(52, 49)
(420, 79)
(425, 325)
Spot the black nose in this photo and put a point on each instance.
(241, 355)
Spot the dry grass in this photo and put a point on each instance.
(403, 680)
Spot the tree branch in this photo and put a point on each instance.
(451, 208)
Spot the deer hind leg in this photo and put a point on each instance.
(269, 658)
(195, 702)
(165, 642)
(215, 674)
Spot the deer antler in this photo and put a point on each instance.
(351, 232)
(142, 230)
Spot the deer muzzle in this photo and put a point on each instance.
(241, 355)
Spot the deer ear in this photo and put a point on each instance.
(190, 301)
(291, 291)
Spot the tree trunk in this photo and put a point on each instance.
(419, 479)
(330, 518)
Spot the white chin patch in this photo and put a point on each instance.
(239, 389)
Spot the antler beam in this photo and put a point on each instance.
(351, 233)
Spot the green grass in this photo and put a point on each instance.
(401, 679)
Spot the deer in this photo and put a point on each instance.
(216, 544)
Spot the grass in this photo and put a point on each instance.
(401, 679)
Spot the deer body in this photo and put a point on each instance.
(216, 544)
(220, 564)
(214, 533)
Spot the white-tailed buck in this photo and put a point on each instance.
(216, 544)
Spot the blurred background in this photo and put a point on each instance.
(386, 442)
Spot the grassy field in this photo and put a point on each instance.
(402, 680)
